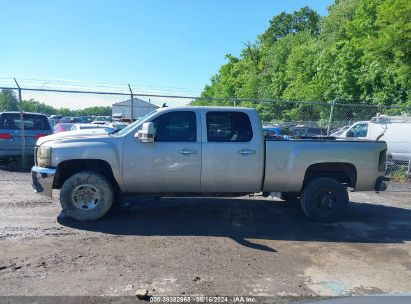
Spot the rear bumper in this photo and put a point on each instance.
(42, 180)
(381, 183)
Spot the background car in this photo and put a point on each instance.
(276, 131)
(11, 136)
(304, 131)
(339, 131)
(62, 127)
(101, 120)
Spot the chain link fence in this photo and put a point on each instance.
(65, 108)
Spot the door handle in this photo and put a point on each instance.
(246, 152)
(188, 151)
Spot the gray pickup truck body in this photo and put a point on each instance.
(210, 161)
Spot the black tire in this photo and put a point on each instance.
(86, 196)
(324, 199)
(290, 197)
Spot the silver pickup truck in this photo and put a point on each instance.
(204, 151)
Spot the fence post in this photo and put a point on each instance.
(330, 119)
(132, 103)
(23, 137)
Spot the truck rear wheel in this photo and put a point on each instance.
(324, 199)
(86, 196)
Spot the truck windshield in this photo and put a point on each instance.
(131, 126)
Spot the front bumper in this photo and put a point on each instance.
(381, 184)
(42, 180)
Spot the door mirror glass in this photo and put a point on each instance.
(146, 134)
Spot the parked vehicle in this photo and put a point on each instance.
(339, 131)
(304, 131)
(86, 119)
(101, 120)
(11, 136)
(62, 127)
(394, 130)
(118, 116)
(204, 151)
(77, 126)
(69, 119)
(55, 117)
(276, 131)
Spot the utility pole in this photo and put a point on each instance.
(132, 103)
(23, 137)
(331, 116)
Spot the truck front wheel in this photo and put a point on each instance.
(86, 196)
(324, 199)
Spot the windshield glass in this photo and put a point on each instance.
(129, 127)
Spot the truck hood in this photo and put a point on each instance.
(87, 133)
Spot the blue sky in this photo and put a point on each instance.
(162, 43)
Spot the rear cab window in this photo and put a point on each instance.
(225, 126)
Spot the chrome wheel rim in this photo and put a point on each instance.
(86, 197)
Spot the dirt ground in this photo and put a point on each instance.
(195, 246)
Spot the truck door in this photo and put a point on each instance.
(172, 163)
(231, 153)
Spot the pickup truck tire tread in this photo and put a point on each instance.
(324, 199)
(99, 182)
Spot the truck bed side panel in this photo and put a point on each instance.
(287, 161)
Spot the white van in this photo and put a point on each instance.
(396, 132)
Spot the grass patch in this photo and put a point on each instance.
(400, 175)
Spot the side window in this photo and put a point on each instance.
(228, 126)
(360, 130)
(175, 126)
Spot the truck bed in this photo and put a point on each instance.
(287, 161)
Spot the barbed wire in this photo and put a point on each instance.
(234, 100)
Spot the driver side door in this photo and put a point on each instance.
(172, 163)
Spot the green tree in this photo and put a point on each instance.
(333, 27)
(285, 24)
(359, 53)
(8, 101)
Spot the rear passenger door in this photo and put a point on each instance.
(231, 153)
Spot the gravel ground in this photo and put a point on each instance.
(195, 246)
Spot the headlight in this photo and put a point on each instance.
(44, 156)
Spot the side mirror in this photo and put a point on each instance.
(146, 134)
(349, 134)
